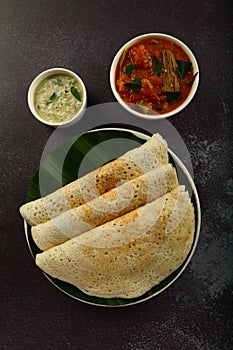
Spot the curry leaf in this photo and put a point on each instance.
(57, 81)
(129, 69)
(158, 67)
(173, 96)
(52, 98)
(135, 84)
(182, 68)
(75, 93)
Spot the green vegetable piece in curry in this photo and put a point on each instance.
(134, 85)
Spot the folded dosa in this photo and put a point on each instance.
(136, 162)
(129, 255)
(112, 204)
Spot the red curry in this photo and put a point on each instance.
(154, 76)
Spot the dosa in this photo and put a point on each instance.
(136, 162)
(112, 204)
(127, 256)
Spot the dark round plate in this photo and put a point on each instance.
(91, 147)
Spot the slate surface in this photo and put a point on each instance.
(195, 312)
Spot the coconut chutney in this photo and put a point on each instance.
(58, 98)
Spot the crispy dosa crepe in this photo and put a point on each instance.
(116, 202)
(127, 256)
(136, 162)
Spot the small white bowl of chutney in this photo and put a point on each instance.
(57, 97)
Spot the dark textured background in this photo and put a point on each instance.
(195, 312)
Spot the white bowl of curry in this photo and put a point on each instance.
(154, 76)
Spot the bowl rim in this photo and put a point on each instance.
(45, 74)
(164, 36)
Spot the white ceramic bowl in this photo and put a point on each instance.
(156, 36)
(46, 74)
